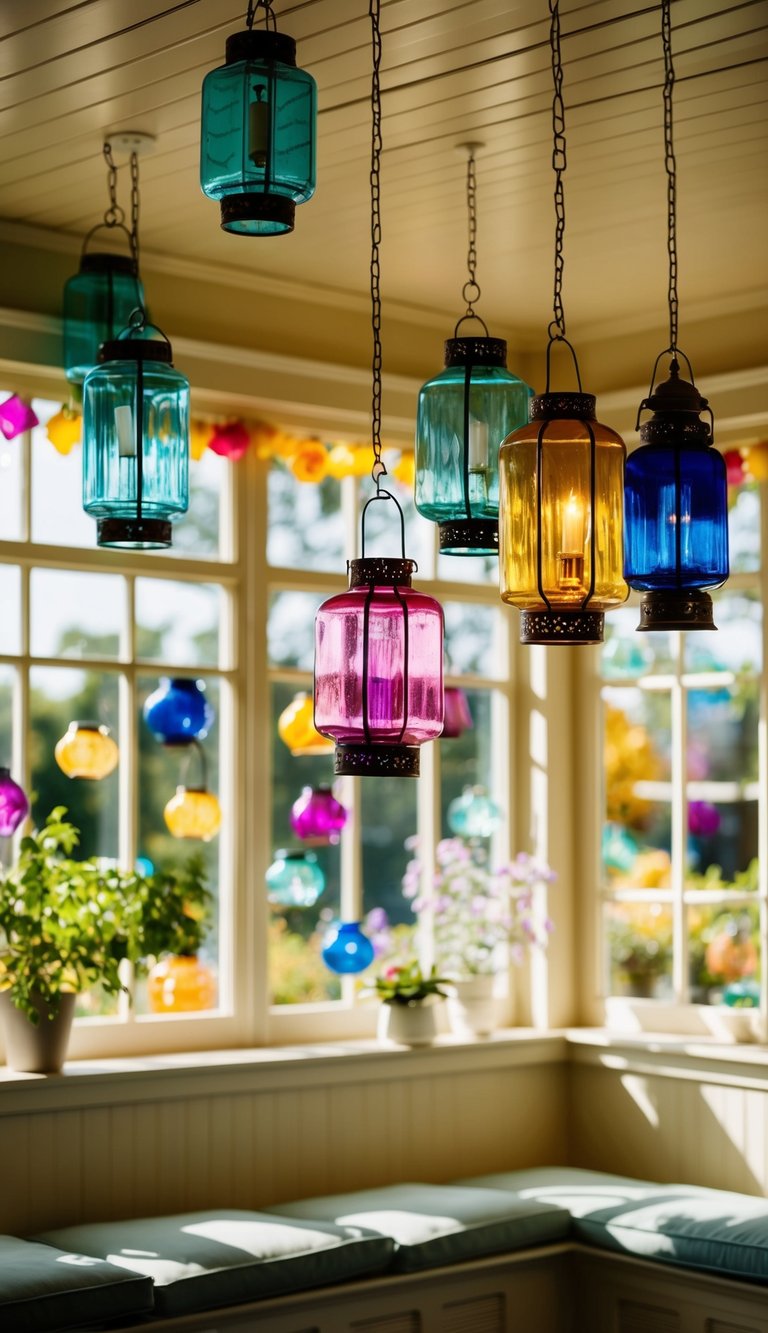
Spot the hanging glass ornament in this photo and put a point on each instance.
(317, 817)
(178, 712)
(294, 879)
(735, 471)
(16, 417)
(87, 750)
(230, 440)
(473, 814)
(346, 950)
(14, 806)
(757, 461)
(257, 145)
(65, 429)
(464, 413)
(193, 813)
(457, 718)
(135, 440)
(296, 728)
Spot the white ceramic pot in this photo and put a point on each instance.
(473, 1008)
(407, 1024)
(37, 1048)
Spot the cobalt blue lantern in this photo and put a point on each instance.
(135, 442)
(177, 712)
(257, 145)
(346, 950)
(675, 510)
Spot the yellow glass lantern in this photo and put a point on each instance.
(193, 813)
(296, 727)
(181, 984)
(87, 750)
(560, 521)
(64, 430)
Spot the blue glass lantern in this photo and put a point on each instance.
(294, 879)
(257, 144)
(473, 814)
(98, 302)
(346, 950)
(178, 712)
(675, 509)
(135, 442)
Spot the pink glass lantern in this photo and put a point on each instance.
(317, 817)
(14, 805)
(379, 667)
(16, 416)
(458, 718)
(230, 440)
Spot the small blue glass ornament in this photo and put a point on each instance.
(258, 136)
(178, 712)
(473, 814)
(619, 848)
(294, 879)
(346, 950)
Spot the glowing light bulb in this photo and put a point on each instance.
(573, 525)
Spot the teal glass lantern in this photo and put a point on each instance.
(135, 442)
(294, 879)
(258, 138)
(464, 414)
(98, 302)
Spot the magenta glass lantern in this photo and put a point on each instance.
(458, 718)
(317, 817)
(14, 805)
(16, 416)
(379, 670)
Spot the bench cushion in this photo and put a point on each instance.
(433, 1225)
(41, 1288)
(226, 1256)
(713, 1230)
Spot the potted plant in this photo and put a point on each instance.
(175, 919)
(407, 1014)
(640, 943)
(482, 919)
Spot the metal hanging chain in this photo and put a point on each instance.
(114, 215)
(671, 169)
(470, 292)
(135, 211)
(269, 16)
(559, 164)
(378, 470)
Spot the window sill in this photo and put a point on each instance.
(671, 1055)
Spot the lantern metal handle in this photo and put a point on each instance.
(561, 338)
(479, 319)
(116, 224)
(706, 409)
(382, 494)
(138, 323)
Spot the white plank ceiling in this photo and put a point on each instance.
(72, 72)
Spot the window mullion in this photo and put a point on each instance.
(762, 760)
(679, 814)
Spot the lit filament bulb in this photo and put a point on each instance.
(571, 556)
(258, 128)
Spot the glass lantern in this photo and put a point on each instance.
(379, 670)
(317, 817)
(98, 302)
(464, 413)
(294, 879)
(135, 443)
(560, 521)
(87, 750)
(676, 510)
(178, 712)
(194, 812)
(296, 727)
(14, 806)
(346, 949)
(257, 145)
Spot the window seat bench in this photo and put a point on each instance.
(555, 1249)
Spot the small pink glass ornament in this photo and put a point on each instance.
(458, 718)
(735, 472)
(14, 805)
(379, 665)
(230, 440)
(317, 817)
(703, 819)
(16, 417)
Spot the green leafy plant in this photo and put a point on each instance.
(405, 983)
(176, 908)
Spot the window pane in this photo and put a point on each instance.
(306, 529)
(76, 615)
(178, 623)
(723, 785)
(11, 485)
(58, 697)
(639, 949)
(297, 974)
(388, 817)
(58, 518)
(474, 639)
(744, 527)
(637, 828)
(198, 532)
(466, 760)
(468, 569)
(291, 628)
(724, 953)
(10, 600)
(739, 644)
(629, 654)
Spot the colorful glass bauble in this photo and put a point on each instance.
(675, 510)
(560, 521)
(181, 984)
(317, 817)
(294, 879)
(193, 812)
(735, 472)
(16, 417)
(379, 670)
(178, 712)
(296, 728)
(703, 819)
(473, 814)
(98, 302)
(230, 440)
(464, 413)
(14, 806)
(457, 718)
(135, 443)
(257, 145)
(64, 429)
(87, 750)
(346, 949)
(757, 461)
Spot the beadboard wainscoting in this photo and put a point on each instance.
(255, 1128)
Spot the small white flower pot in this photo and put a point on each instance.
(407, 1024)
(473, 1008)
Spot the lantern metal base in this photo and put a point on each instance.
(569, 627)
(250, 214)
(676, 610)
(379, 761)
(472, 536)
(145, 534)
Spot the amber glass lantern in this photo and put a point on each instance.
(87, 750)
(560, 525)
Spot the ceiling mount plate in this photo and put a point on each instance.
(131, 141)
(469, 146)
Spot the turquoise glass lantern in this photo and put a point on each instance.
(258, 138)
(98, 302)
(135, 442)
(294, 879)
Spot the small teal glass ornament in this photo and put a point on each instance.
(135, 440)
(178, 712)
(473, 814)
(619, 849)
(742, 994)
(294, 879)
(346, 950)
(464, 413)
(258, 138)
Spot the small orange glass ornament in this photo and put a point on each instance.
(87, 750)
(296, 727)
(193, 813)
(181, 984)
(310, 462)
(64, 430)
